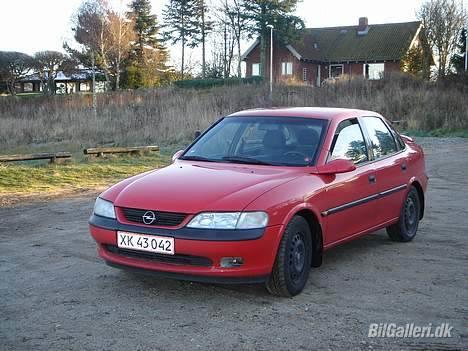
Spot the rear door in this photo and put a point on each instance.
(350, 204)
(391, 166)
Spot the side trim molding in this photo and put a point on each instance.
(363, 200)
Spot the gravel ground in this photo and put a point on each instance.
(55, 294)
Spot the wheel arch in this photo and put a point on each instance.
(420, 191)
(317, 234)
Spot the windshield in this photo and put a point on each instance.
(280, 141)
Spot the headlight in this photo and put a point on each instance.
(104, 208)
(229, 220)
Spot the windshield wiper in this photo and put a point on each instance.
(245, 160)
(197, 158)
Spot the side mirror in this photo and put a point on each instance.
(336, 166)
(177, 155)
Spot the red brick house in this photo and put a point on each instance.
(323, 53)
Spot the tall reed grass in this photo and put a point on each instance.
(171, 115)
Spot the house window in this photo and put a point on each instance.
(28, 87)
(85, 86)
(304, 74)
(286, 68)
(335, 71)
(375, 71)
(255, 69)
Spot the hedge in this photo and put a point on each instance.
(209, 83)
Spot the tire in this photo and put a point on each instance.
(293, 260)
(407, 226)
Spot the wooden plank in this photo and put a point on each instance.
(119, 150)
(30, 157)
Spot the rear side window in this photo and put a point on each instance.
(349, 142)
(399, 140)
(382, 141)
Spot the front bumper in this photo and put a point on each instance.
(257, 248)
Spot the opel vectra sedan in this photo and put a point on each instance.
(261, 194)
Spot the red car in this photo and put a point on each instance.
(261, 194)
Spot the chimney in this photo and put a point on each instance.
(363, 23)
(363, 26)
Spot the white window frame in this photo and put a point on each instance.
(256, 70)
(305, 73)
(381, 72)
(335, 65)
(286, 68)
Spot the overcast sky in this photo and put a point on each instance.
(33, 25)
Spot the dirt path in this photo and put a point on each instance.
(55, 294)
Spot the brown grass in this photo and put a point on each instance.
(170, 115)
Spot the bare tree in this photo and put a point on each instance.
(232, 10)
(121, 35)
(13, 67)
(91, 31)
(222, 44)
(223, 37)
(180, 25)
(442, 21)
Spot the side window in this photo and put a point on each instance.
(349, 142)
(382, 141)
(400, 143)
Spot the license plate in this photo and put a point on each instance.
(149, 243)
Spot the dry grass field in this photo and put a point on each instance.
(170, 115)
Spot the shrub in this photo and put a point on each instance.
(211, 83)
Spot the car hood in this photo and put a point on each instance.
(196, 187)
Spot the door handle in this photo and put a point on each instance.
(403, 166)
(372, 178)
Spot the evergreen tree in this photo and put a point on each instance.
(413, 62)
(181, 25)
(279, 13)
(146, 27)
(148, 57)
(458, 59)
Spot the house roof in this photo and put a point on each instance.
(379, 42)
(78, 75)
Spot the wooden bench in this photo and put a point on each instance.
(52, 157)
(101, 151)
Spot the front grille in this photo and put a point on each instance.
(166, 219)
(173, 259)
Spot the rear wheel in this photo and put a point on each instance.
(293, 260)
(407, 226)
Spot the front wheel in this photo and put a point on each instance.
(293, 260)
(407, 226)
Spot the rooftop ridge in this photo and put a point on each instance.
(356, 26)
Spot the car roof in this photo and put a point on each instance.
(329, 113)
